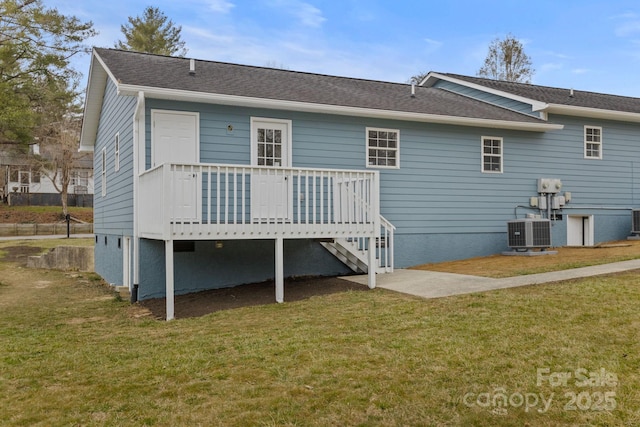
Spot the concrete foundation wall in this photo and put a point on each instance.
(74, 258)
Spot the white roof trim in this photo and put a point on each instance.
(212, 98)
(594, 113)
(535, 105)
(567, 110)
(97, 83)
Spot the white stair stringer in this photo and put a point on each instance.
(354, 251)
(347, 251)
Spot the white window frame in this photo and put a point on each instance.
(396, 148)
(588, 142)
(104, 172)
(116, 142)
(483, 154)
(286, 155)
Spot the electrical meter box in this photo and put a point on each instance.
(549, 185)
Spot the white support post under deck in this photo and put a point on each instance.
(168, 255)
(371, 281)
(279, 269)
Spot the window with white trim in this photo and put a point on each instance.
(383, 148)
(491, 154)
(104, 172)
(592, 142)
(79, 177)
(117, 152)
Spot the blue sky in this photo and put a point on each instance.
(585, 45)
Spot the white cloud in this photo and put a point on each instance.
(309, 15)
(556, 54)
(550, 66)
(628, 29)
(433, 43)
(628, 24)
(205, 34)
(626, 15)
(221, 6)
(580, 70)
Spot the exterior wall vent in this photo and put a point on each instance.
(529, 233)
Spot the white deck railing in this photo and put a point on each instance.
(209, 201)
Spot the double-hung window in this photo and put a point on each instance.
(592, 142)
(383, 148)
(491, 154)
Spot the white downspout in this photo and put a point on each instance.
(139, 133)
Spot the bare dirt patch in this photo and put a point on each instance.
(205, 302)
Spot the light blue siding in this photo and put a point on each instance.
(511, 104)
(113, 213)
(108, 258)
(440, 189)
(443, 205)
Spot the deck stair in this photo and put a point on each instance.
(353, 252)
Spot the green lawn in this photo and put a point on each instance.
(73, 354)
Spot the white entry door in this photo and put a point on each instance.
(580, 230)
(175, 138)
(271, 189)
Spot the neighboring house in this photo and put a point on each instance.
(212, 174)
(24, 183)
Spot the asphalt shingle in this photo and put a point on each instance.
(139, 69)
(561, 96)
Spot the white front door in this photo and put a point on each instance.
(175, 139)
(271, 189)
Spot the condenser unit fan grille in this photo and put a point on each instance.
(635, 226)
(529, 233)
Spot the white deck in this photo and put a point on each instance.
(230, 202)
(206, 201)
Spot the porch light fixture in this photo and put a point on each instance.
(219, 244)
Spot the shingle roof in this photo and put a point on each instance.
(145, 70)
(553, 95)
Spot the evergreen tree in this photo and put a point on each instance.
(152, 33)
(506, 60)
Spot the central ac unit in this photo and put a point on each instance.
(635, 221)
(529, 233)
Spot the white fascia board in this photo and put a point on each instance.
(433, 77)
(594, 113)
(188, 96)
(97, 83)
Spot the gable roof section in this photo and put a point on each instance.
(231, 84)
(552, 99)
